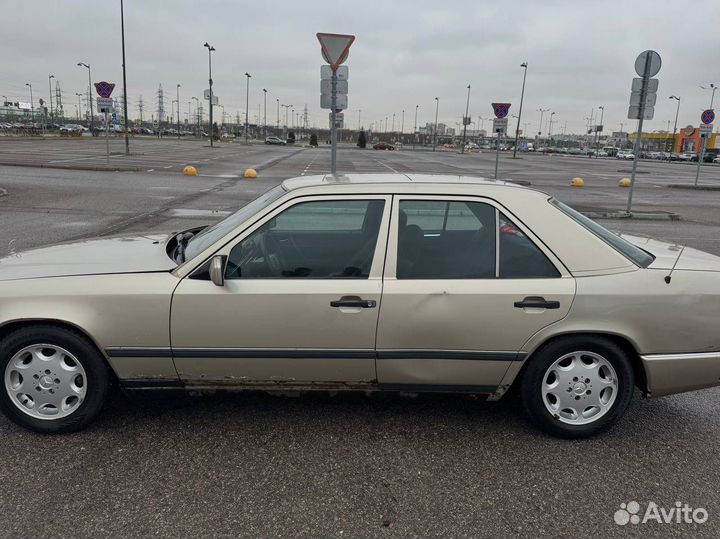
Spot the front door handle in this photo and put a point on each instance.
(536, 302)
(354, 301)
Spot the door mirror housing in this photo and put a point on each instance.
(217, 269)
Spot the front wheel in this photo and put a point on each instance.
(54, 379)
(577, 387)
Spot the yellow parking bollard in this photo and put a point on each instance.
(190, 171)
(624, 182)
(577, 182)
(250, 173)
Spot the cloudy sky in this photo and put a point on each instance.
(580, 54)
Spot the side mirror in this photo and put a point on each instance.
(217, 270)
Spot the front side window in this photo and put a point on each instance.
(444, 239)
(311, 240)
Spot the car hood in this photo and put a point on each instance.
(666, 255)
(92, 257)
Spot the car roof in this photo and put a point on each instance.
(410, 182)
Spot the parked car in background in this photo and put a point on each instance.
(383, 146)
(274, 140)
(471, 146)
(73, 130)
(625, 154)
(686, 156)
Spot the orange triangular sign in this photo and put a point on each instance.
(335, 47)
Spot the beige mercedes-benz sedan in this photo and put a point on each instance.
(408, 283)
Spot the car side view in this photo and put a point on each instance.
(378, 282)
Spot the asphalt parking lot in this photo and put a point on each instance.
(247, 465)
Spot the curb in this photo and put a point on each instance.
(649, 216)
(694, 187)
(75, 167)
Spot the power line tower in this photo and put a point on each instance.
(140, 108)
(58, 99)
(160, 105)
(305, 118)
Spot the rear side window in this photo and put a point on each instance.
(519, 257)
(450, 239)
(637, 255)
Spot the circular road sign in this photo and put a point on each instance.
(655, 63)
(707, 116)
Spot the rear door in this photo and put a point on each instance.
(465, 286)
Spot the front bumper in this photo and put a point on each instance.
(675, 373)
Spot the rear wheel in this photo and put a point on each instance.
(577, 387)
(54, 379)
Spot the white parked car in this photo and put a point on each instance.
(625, 155)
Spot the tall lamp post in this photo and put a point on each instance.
(197, 114)
(712, 87)
(402, 123)
(524, 65)
(125, 107)
(415, 126)
(437, 107)
(597, 133)
(79, 95)
(210, 49)
(247, 104)
(677, 111)
(32, 107)
(550, 122)
(465, 121)
(265, 111)
(90, 109)
(177, 89)
(541, 111)
(50, 77)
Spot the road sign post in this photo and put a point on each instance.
(499, 126)
(334, 49)
(105, 105)
(647, 65)
(707, 117)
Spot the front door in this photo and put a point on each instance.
(465, 287)
(300, 301)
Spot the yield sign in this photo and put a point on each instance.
(335, 47)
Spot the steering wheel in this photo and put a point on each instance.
(273, 260)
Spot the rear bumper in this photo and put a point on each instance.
(675, 373)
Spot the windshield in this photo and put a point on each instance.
(637, 255)
(212, 234)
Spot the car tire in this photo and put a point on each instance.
(54, 365)
(559, 381)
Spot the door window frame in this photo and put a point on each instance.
(392, 247)
(378, 263)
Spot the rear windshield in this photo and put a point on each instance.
(637, 255)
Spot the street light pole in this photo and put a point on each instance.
(265, 111)
(247, 104)
(359, 126)
(712, 87)
(437, 107)
(210, 49)
(415, 126)
(177, 89)
(197, 114)
(92, 116)
(402, 123)
(550, 124)
(677, 111)
(32, 107)
(277, 127)
(465, 121)
(524, 65)
(79, 94)
(125, 107)
(541, 111)
(597, 133)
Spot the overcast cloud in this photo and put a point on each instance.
(580, 54)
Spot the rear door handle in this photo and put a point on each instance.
(536, 302)
(354, 301)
